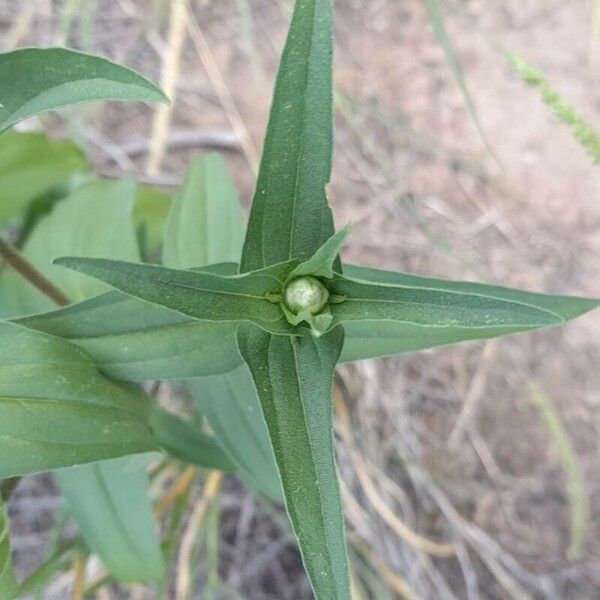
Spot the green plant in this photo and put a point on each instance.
(256, 343)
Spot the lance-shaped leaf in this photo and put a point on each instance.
(56, 410)
(375, 296)
(134, 340)
(8, 583)
(188, 442)
(294, 379)
(35, 80)
(322, 262)
(198, 294)
(230, 405)
(205, 223)
(110, 502)
(290, 217)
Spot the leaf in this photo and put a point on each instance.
(437, 20)
(290, 217)
(231, 407)
(322, 262)
(110, 502)
(457, 310)
(31, 164)
(36, 80)
(187, 442)
(57, 411)
(198, 294)
(94, 220)
(135, 340)
(150, 213)
(8, 583)
(294, 379)
(205, 223)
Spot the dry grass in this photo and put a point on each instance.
(451, 448)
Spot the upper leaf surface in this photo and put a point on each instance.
(111, 505)
(294, 380)
(205, 224)
(290, 217)
(134, 340)
(462, 311)
(56, 410)
(198, 294)
(35, 80)
(436, 303)
(8, 583)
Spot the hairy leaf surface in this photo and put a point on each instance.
(35, 80)
(198, 294)
(290, 217)
(294, 379)
(56, 410)
(134, 340)
(110, 502)
(387, 296)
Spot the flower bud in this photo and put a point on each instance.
(306, 294)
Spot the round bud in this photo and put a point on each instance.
(306, 294)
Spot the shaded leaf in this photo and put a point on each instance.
(150, 214)
(31, 164)
(94, 220)
(290, 217)
(198, 294)
(8, 583)
(294, 380)
(36, 80)
(110, 502)
(57, 411)
(231, 407)
(188, 442)
(205, 223)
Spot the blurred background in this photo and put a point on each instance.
(470, 472)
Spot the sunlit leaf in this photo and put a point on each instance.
(36, 80)
(294, 379)
(290, 217)
(389, 313)
(198, 294)
(56, 410)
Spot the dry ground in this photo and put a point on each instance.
(447, 443)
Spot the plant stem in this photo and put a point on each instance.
(20, 264)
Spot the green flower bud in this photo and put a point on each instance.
(306, 295)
